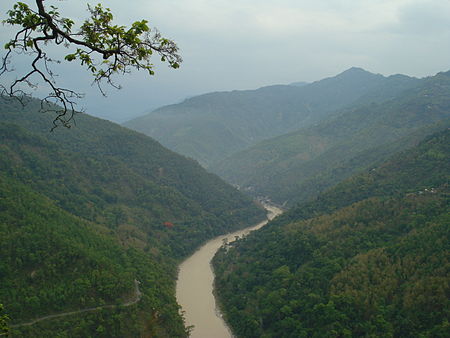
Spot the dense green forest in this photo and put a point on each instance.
(88, 212)
(295, 167)
(368, 257)
(95, 219)
(212, 126)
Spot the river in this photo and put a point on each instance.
(195, 286)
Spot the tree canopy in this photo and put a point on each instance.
(3, 322)
(102, 47)
(367, 258)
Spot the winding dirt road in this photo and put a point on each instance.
(137, 297)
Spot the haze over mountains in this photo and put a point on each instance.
(213, 126)
(297, 166)
(291, 142)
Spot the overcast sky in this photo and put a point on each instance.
(246, 44)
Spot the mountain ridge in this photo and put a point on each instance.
(278, 167)
(212, 126)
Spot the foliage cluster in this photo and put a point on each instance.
(367, 258)
(4, 328)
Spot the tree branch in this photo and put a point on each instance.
(103, 48)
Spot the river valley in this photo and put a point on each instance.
(195, 285)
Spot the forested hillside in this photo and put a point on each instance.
(212, 126)
(88, 211)
(367, 258)
(295, 167)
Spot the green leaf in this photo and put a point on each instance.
(70, 57)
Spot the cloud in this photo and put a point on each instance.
(428, 18)
(242, 44)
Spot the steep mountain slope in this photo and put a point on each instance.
(87, 211)
(295, 167)
(212, 126)
(54, 262)
(367, 258)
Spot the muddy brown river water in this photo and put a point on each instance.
(195, 286)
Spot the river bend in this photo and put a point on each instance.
(195, 286)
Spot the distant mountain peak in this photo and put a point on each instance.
(356, 71)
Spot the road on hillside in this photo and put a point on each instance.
(137, 297)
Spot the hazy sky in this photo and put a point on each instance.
(246, 44)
